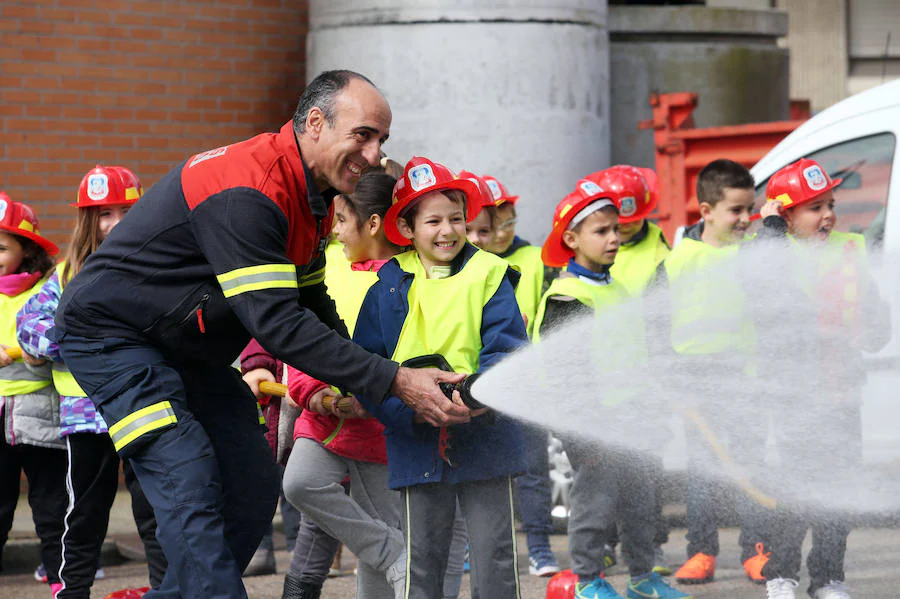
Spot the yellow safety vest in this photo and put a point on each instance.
(620, 345)
(527, 261)
(16, 379)
(708, 303)
(445, 314)
(347, 287)
(63, 380)
(636, 264)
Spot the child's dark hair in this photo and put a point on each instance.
(34, 257)
(719, 175)
(409, 215)
(371, 196)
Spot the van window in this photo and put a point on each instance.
(865, 165)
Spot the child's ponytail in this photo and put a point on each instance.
(85, 241)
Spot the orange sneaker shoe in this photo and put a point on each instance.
(699, 569)
(128, 593)
(754, 565)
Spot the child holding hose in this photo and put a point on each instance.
(334, 436)
(446, 297)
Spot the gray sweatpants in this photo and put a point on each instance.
(611, 485)
(367, 521)
(428, 514)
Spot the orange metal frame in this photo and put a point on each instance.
(683, 150)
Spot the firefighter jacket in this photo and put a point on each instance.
(226, 246)
(473, 320)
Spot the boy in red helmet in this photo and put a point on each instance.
(446, 297)
(842, 305)
(534, 487)
(611, 483)
(643, 245)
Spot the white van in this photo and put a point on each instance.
(857, 139)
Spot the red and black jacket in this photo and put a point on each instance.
(226, 247)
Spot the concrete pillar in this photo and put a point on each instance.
(730, 57)
(518, 90)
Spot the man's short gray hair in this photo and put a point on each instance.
(321, 92)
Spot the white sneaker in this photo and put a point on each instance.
(836, 589)
(396, 576)
(781, 588)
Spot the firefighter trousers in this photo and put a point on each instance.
(195, 440)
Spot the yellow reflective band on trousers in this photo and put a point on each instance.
(259, 413)
(65, 383)
(527, 261)
(256, 278)
(146, 420)
(16, 379)
(445, 314)
(313, 278)
(636, 265)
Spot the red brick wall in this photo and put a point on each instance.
(141, 83)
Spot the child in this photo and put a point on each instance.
(535, 492)
(712, 333)
(847, 314)
(642, 248)
(104, 197)
(331, 443)
(480, 232)
(28, 403)
(607, 479)
(446, 297)
(643, 245)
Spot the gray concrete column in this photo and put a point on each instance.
(518, 89)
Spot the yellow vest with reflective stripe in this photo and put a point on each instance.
(527, 261)
(62, 379)
(597, 297)
(445, 314)
(708, 302)
(619, 345)
(347, 287)
(636, 264)
(16, 379)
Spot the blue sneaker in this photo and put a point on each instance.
(654, 586)
(596, 589)
(542, 563)
(467, 567)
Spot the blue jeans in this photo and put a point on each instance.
(535, 492)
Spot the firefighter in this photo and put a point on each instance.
(226, 246)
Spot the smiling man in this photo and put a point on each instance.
(227, 245)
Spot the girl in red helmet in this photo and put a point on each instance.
(105, 195)
(833, 295)
(29, 407)
(446, 297)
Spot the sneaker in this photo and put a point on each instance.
(753, 566)
(40, 574)
(99, 574)
(653, 586)
(836, 589)
(701, 568)
(596, 589)
(781, 588)
(467, 567)
(396, 576)
(660, 563)
(55, 588)
(128, 593)
(609, 556)
(542, 563)
(262, 563)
